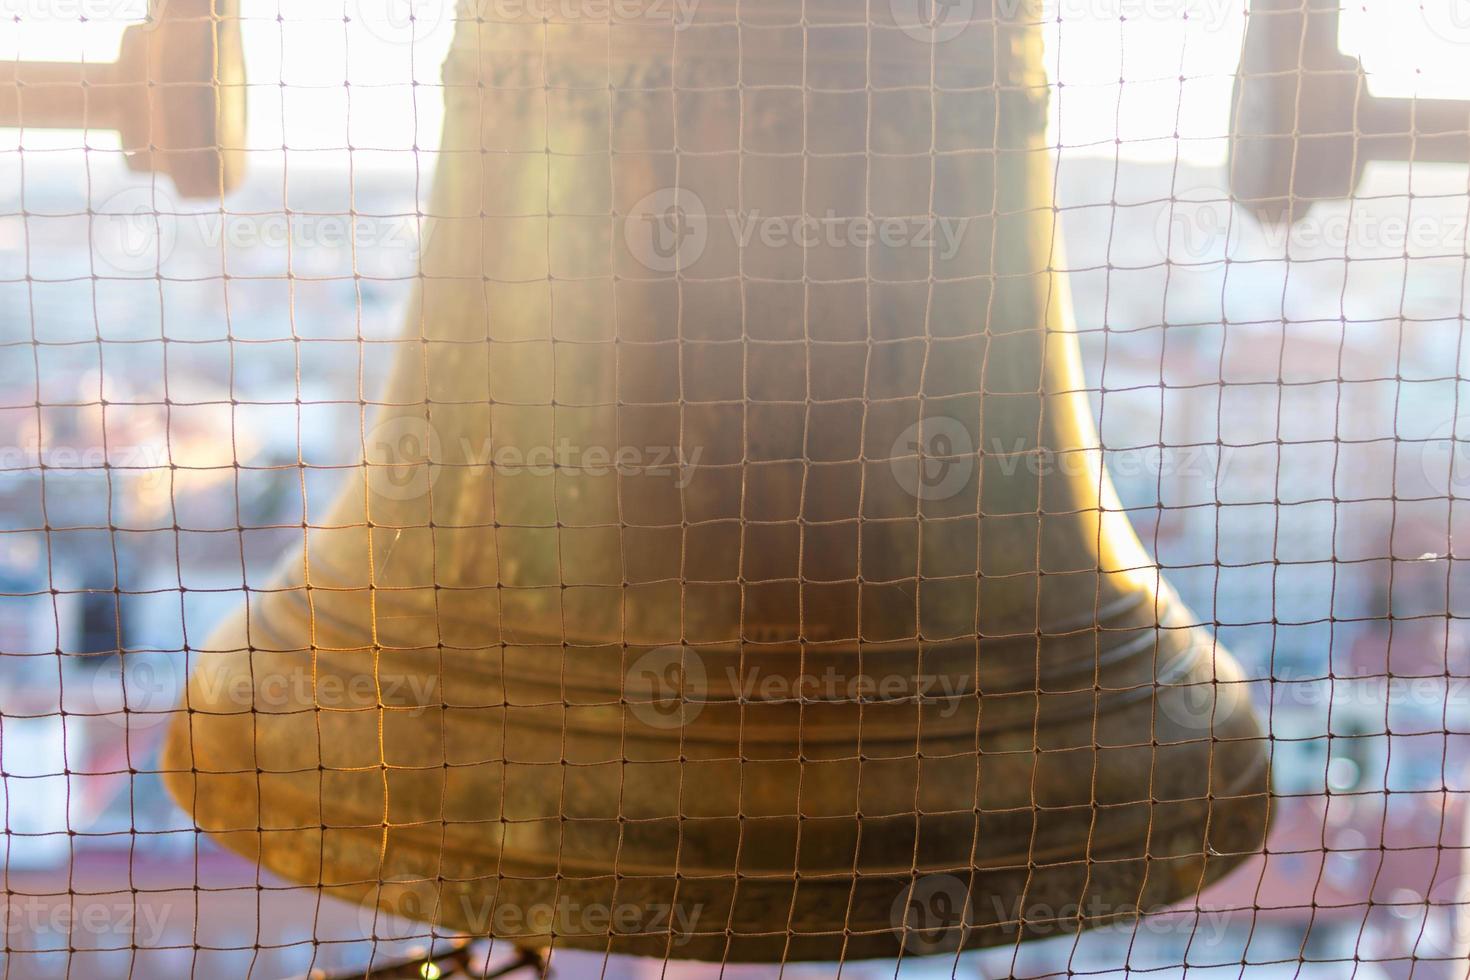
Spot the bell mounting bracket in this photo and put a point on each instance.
(175, 95)
(1303, 126)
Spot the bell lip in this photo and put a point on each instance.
(1234, 819)
(1250, 783)
(1244, 820)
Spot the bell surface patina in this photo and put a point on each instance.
(734, 539)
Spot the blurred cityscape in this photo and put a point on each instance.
(1279, 412)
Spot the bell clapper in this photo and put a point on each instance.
(458, 959)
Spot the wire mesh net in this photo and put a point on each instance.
(756, 487)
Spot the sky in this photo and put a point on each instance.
(1150, 45)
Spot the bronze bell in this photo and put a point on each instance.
(732, 574)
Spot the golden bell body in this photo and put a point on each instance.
(732, 540)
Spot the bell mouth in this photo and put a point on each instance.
(498, 788)
(723, 914)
